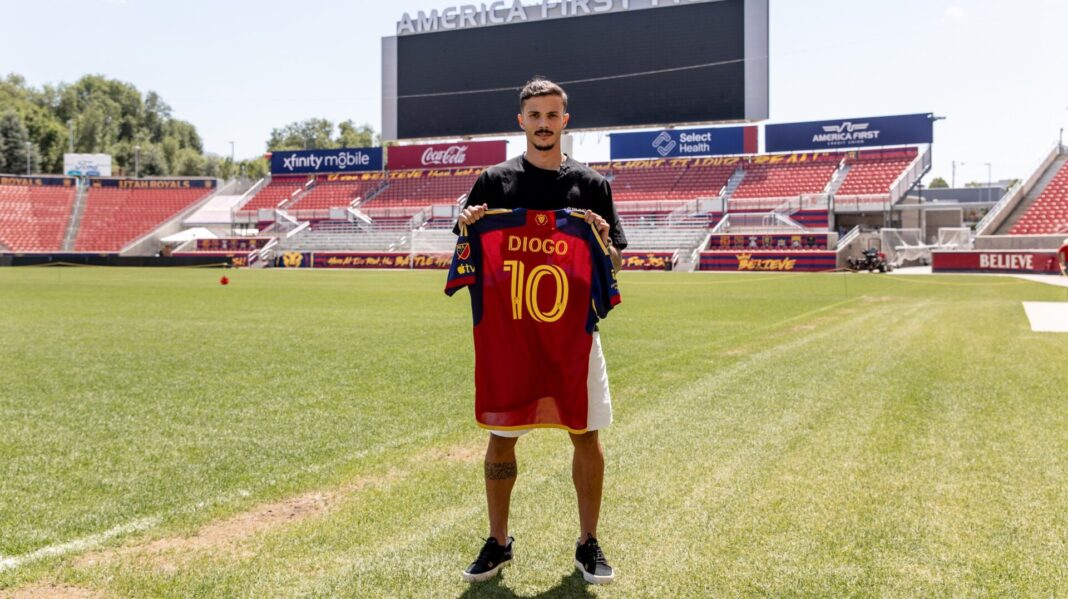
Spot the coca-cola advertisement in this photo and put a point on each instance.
(446, 155)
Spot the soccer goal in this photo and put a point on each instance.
(955, 238)
(904, 245)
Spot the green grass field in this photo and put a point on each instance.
(311, 434)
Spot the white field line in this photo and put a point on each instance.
(95, 540)
(81, 544)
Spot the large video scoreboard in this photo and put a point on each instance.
(624, 63)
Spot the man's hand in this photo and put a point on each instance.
(602, 229)
(472, 214)
(598, 223)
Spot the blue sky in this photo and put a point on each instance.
(238, 69)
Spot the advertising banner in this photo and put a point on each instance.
(762, 261)
(294, 162)
(447, 155)
(673, 143)
(649, 260)
(293, 260)
(363, 260)
(36, 181)
(995, 261)
(224, 244)
(238, 259)
(896, 130)
(380, 260)
(154, 183)
(768, 242)
(87, 165)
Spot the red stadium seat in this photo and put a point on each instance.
(34, 219)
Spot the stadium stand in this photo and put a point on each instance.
(276, 192)
(1048, 214)
(335, 193)
(771, 180)
(413, 190)
(658, 180)
(873, 173)
(114, 217)
(34, 219)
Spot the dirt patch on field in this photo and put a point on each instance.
(169, 553)
(51, 591)
(458, 453)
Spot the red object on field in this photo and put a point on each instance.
(224, 281)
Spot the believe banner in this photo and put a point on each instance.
(995, 261)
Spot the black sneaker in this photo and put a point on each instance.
(589, 559)
(490, 560)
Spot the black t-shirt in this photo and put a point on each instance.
(517, 183)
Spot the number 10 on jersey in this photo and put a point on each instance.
(525, 290)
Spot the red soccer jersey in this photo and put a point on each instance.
(539, 281)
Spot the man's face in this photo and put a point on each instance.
(543, 119)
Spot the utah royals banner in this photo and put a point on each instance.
(447, 155)
(670, 143)
(862, 132)
(326, 161)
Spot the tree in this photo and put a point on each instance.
(13, 144)
(310, 134)
(254, 168)
(351, 136)
(153, 161)
(318, 134)
(938, 183)
(188, 163)
(106, 116)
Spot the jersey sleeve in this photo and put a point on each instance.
(604, 286)
(463, 271)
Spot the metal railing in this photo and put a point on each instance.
(1016, 193)
(906, 180)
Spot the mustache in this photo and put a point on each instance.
(543, 131)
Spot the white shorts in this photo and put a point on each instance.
(599, 412)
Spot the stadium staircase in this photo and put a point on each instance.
(733, 182)
(838, 179)
(75, 218)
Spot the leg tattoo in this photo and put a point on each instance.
(501, 470)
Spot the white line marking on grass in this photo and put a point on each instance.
(95, 540)
(81, 544)
(1047, 317)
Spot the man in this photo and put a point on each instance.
(1062, 257)
(544, 179)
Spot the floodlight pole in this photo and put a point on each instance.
(28, 144)
(989, 180)
(137, 161)
(70, 127)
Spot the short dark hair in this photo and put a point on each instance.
(540, 86)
